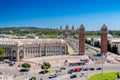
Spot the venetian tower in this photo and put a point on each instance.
(104, 39)
(81, 39)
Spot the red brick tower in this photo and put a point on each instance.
(81, 39)
(104, 39)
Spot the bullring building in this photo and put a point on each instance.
(27, 48)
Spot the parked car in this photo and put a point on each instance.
(92, 69)
(98, 68)
(81, 74)
(43, 72)
(70, 71)
(62, 68)
(85, 69)
(73, 76)
(52, 76)
(24, 70)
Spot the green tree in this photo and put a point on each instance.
(67, 53)
(115, 49)
(109, 46)
(26, 65)
(46, 65)
(2, 53)
(97, 43)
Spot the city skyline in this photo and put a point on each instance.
(53, 14)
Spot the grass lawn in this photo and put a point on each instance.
(104, 76)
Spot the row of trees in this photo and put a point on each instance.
(113, 48)
(22, 31)
(88, 41)
(45, 65)
(97, 44)
(2, 53)
(46, 31)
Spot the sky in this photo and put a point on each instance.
(55, 13)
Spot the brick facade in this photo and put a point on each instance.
(104, 39)
(81, 39)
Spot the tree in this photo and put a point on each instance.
(46, 65)
(115, 49)
(87, 41)
(67, 53)
(97, 43)
(2, 53)
(26, 65)
(109, 46)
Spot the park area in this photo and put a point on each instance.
(105, 76)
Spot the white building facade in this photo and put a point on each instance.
(27, 48)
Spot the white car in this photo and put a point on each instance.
(81, 74)
(53, 75)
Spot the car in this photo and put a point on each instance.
(11, 64)
(77, 69)
(92, 69)
(99, 54)
(85, 69)
(73, 76)
(43, 72)
(70, 71)
(32, 78)
(62, 68)
(6, 60)
(1, 73)
(98, 68)
(81, 74)
(19, 65)
(53, 75)
(58, 72)
(24, 70)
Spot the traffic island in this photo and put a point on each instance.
(105, 76)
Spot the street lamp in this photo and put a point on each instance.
(62, 55)
(87, 72)
(102, 63)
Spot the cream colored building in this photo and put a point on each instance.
(27, 48)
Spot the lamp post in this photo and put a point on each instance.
(102, 63)
(87, 72)
(62, 55)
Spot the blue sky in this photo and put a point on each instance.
(53, 13)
